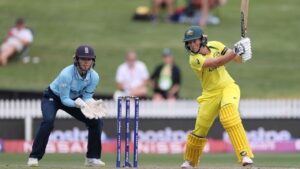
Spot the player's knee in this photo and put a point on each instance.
(203, 125)
(200, 132)
(48, 124)
(195, 139)
(229, 116)
(94, 123)
(197, 135)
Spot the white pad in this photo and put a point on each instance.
(98, 108)
(79, 103)
(85, 108)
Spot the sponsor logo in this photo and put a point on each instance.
(162, 135)
(264, 135)
(86, 50)
(189, 33)
(63, 85)
(72, 135)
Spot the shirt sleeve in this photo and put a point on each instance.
(64, 90)
(197, 61)
(90, 88)
(220, 46)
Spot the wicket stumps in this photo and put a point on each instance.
(127, 130)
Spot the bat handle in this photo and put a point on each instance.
(243, 29)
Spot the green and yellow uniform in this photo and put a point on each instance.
(220, 96)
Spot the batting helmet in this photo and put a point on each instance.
(84, 52)
(193, 33)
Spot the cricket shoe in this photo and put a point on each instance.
(247, 161)
(33, 162)
(94, 162)
(186, 165)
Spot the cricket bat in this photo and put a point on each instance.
(244, 17)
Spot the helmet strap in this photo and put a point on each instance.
(203, 41)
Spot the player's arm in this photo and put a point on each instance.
(90, 88)
(64, 91)
(237, 59)
(240, 54)
(219, 61)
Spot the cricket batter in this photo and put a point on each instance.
(220, 94)
(72, 92)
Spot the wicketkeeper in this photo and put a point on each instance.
(72, 91)
(220, 94)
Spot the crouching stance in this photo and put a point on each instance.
(220, 94)
(72, 91)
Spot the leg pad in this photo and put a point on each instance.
(194, 148)
(232, 123)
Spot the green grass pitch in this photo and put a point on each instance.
(209, 161)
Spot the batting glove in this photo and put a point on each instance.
(243, 49)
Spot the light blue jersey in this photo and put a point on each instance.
(69, 85)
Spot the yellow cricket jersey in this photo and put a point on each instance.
(211, 78)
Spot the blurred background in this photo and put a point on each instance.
(270, 92)
(59, 27)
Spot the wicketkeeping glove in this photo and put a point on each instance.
(243, 49)
(98, 108)
(85, 109)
